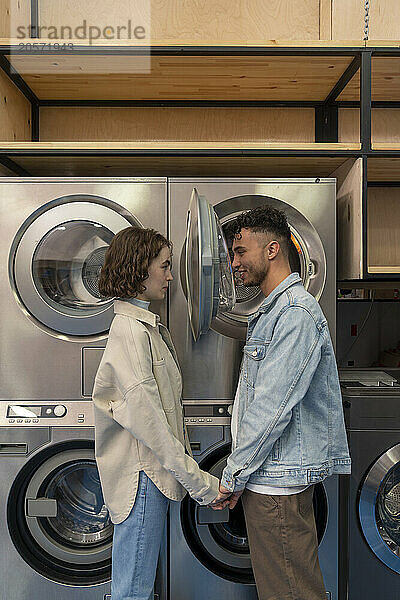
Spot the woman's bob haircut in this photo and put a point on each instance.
(127, 261)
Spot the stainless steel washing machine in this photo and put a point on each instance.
(372, 411)
(54, 234)
(209, 552)
(310, 208)
(55, 530)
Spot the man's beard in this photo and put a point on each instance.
(256, 276)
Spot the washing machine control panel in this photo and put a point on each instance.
(46, 413)
(207, 412)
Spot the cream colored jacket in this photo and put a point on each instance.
(139, 415)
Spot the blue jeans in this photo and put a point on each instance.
(136, 544)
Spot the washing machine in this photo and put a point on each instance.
(55, 530)
(209, 551)
(372, 411)
(54, 235)
(208, 321)
(204, 333)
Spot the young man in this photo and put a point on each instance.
(287, 425)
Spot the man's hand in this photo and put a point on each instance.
(222, 500)
(233, 500)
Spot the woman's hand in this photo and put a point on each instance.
(222, 500)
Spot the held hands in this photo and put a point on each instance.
(225, 498)
(222, 500)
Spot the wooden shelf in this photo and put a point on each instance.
(247, 159)
(384, 168)
(191, 42)
(117, 77)
(383, 270)
(385, 81)
(160, 146)
(390, 147)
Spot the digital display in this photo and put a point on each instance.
(199, 411)
(24, 411)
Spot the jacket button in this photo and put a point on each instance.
(254, 353)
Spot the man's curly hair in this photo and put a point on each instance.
(264, 219)
(127, 261)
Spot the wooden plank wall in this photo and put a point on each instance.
(168, 124)
(385, 125)
(12, 14)
(228, 20)
(222, 20)
(348, 20)
(15, 112)
(186, 124)
(383, 231)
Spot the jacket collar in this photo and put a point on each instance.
(290, 280)
(141, 314)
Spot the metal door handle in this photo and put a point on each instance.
(41, 507)
(206, 515)
(13, 448)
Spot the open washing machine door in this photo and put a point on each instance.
(55, 261)
(208, 271)
(226, 308)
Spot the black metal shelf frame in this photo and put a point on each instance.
(326, 111)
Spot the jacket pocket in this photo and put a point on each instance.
(253, 355)
(255, 351)
(305, 501)
(165, 387)
(159, 363)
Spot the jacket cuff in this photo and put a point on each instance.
(209, 494)
(233, 484)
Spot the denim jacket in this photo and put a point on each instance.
(290, 419)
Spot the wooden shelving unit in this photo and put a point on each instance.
(175, 112)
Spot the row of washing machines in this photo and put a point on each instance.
(55, 531)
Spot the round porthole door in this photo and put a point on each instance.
(57, 518)
(307, 257)
(55, 261)
(379, 508)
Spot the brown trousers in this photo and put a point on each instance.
(283, 546)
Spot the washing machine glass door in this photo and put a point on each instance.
(208, 270)
(55, 263)
(58, 518)
(218, 538)
(379, 508)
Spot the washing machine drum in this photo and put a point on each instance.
(55, 261)
(307, 257)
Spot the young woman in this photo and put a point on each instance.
(142, 451)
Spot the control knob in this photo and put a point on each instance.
(60, 410)
(229, 409)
